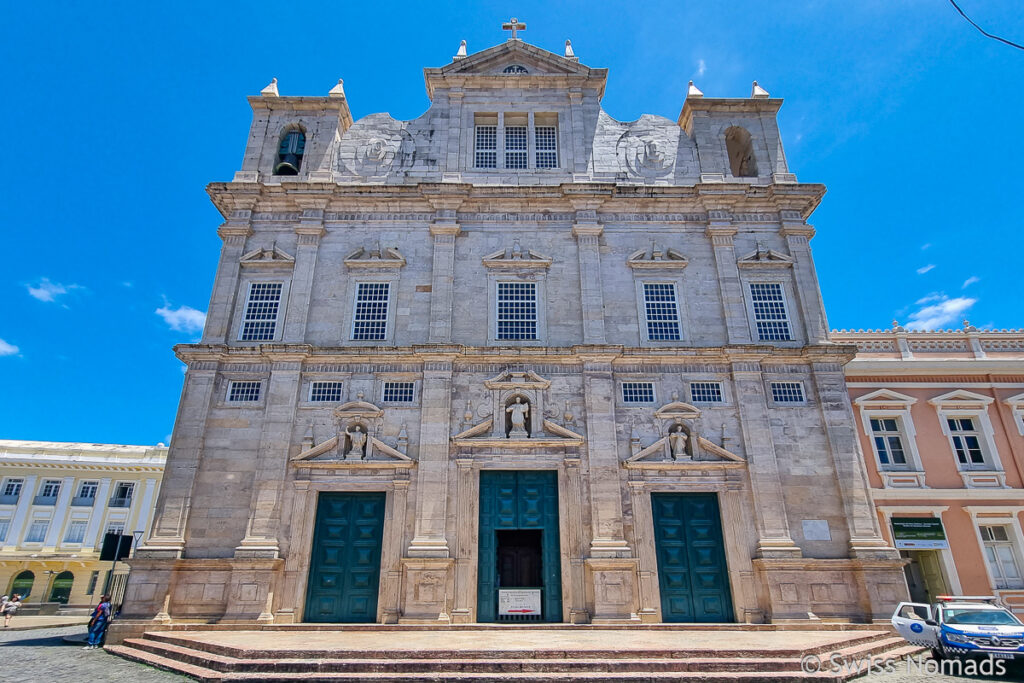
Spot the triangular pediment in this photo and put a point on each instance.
(264, 257)
(885, 396)
(479, 435)
(1014, 400)
(659, 454)
(379, 257)
(656, 257)
(764, 257)
(517, 379)
(494, 61)
(961, 397)
(516, 257)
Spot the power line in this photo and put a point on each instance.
(983, 31)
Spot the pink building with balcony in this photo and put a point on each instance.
(940, 416)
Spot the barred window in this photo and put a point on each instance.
(545, 143)
(770, 311)
(244, 392)
(486, 147)
(325, 391)
(37, 531)
(662, 312)
(787, 392)
(398, 392)
(370, 321)
(517, 310)
(76, 532)
(515, 146)
(706, 392)
(638, 392)
(261, 309)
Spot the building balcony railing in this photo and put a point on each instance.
(10, 500)
(116, 502)
(45, 500)
(83, 501)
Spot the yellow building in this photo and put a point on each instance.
(57, 502)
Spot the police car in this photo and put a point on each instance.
(961, 625)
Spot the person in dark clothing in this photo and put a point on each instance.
(98, 623)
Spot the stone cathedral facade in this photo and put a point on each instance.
(514, 360)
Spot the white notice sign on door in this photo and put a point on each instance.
(519, 601)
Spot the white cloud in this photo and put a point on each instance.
(701, 67)
(8, 349)
(49, 291)
(937, 311)
(924, 269)
(182, 318)
(970, 281)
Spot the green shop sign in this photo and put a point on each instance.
(919, 533)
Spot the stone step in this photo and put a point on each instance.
(200, 673)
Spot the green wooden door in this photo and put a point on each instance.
(692, 573)
(344, 567)
(519, 500)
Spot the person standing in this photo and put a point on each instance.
(98, 623)
(10, 607)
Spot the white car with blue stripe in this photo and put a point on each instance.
(965, 625)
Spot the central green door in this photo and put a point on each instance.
(344, 567)
(692, 573)
(525, 502)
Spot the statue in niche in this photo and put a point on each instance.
(677, 439)
(356, 443)
(518, 413)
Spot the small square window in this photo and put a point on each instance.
(398, 392)
(50, 488)
(706, 392)
(325, 392)
(244, 392)
(638, 392)
(787, 392)
(12, 486)
(88, 489)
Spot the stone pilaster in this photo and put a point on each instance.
(774, 539)
(467, 494)
(60, 512)
(233, 232)
(432, 469)
(643, 539)
(734, 307)
(271, 472)
(391, 551)
(587, 232)
(455, 127)
(574, 554)
(92, 531)
(309, 231)
(798, 238)
(837, 417)
(444, 230)
(576, 114)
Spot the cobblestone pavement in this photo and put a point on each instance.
(42, 656)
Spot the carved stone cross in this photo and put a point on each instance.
(513, 25)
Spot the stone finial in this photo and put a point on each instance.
(338, 90)
(461, 54)
(569, 54)
(693, 91)
(271, 89)
(757, 92)
(968, 327)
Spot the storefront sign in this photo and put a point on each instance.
(519, 601)
(919, 533)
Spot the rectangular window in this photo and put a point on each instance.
(261, 309)
(517, 310)
(545, 142)
(515, 147)
(370, 322)
(888, 441)
(76, 532)
(5, 526)
(638, 392)
(662, 312)
(115, 528)
(486, 146)
(37, 531)
(12, 487)
(88, 489)
(787, 392)
(123, 492)
(770, 311)
(398, 392)
(243, 392)
(1001, 557)
(50, 488)
(706, 392)
(329, 392)
(966, 441)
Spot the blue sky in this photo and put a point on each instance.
(120, 113)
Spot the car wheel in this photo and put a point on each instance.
(938, 653)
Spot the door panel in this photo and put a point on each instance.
(344, 568)
(692, 572)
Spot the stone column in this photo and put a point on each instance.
(643, 539)
(734, 307)
(837, 415)
(309, 232)
(175, 499)
(773, 534)
(271, 471)
(432, 475)
(444, 230)
(233, 232)
(17, 529)
(587, 232)
(60, 511)
(798, 235)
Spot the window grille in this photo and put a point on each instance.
(261, 309)
(966, 441)
(706, 392)
(662, 311)
(486, 146)
(516, 69)
(517, 310)
(12, 487)
(1001, 557)
(770, 315)
(787, 392)
(325, 391)
(370, 321)
(76, 532)
(888, 441)
(243, 392)
(398, 392)
(37, 531)
(638, 392)
(515, 147)
(546, 146)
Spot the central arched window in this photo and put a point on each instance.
(61, 591)
(289, 153)
(515, 69)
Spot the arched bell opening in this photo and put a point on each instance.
(740, 148)
(290, 151)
